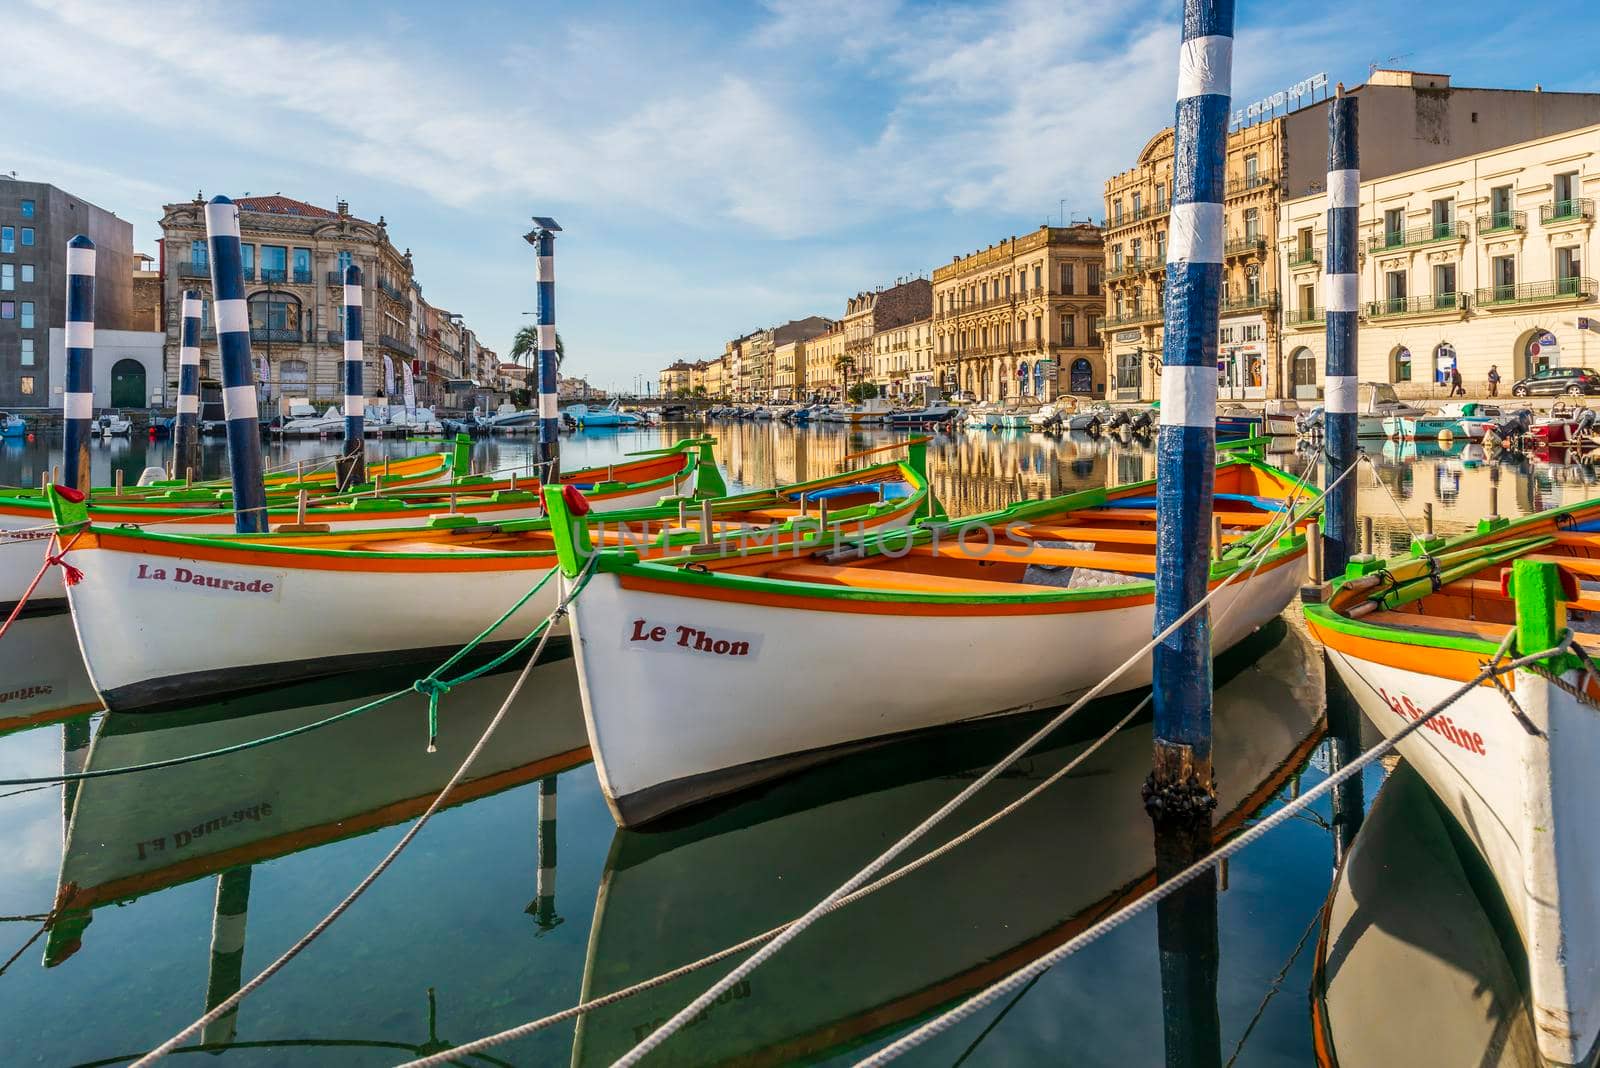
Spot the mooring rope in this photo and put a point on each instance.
(1286, 516)
(227, 1005)
(946, 1020)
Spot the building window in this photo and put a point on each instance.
(1128, 370)
(27, 235)
(1069, 330)
(1252, 224)
(27, 209)
(1569, 266)
(8, 276)
(25, 385)
(1116, 211)
(27, 352)
(1038, 328)
(1067, 279)
(199, 255)
(274, 263)
(8, 239)
(247, 257)
(1094, 331)
(8, 309)
(1161, 248)
(1394, 289)
(1252, 169)
(1138, 204)
(1038, 276)
(274, 317)
(27, 273)
(302, 265)
(1503, 269)
(1116, 257)
(1500, 207)
(27, 315)
(1136, 249)
(1394, 224)
(1091, 279)
(1444, 285)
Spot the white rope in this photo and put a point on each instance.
(695, 1007)
(943, 1022)
(228, 1004)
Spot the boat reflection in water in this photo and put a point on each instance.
(1038, 877)
(42, 677)
(1412, 969)
(133, 835)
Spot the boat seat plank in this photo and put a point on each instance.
(880, 579)
(1148, 515)
(1578, 565)
(1418, 621)
(1135, 563)
(1489, 589)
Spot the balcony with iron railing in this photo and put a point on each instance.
(302, 276)
(1496, 298)
(1431, 234)
(276, 334)
(1301, 318)
(1304, 257)
(1395, 307)
(1248, 303)
(274, 274)
(1134, 317)
(1244, 246)
(1131, 267)
(403, 347)
(194, 269)
(1250, 183)
(1502, 222)
(1572, 210)
(391, 290)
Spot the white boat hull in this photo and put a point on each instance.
(258, 624)
(670, 724)
(1527, 803)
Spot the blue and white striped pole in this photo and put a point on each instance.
(77, 399)
(186, 428)
(239, 404)
(353, 464)
(229, 918)
(1181, 777)
(543, 239)
(1340, 379)
(544, 903)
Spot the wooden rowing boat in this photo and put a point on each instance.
(1514, 767)
(1073, 854)
(649, 477)
(164, 619)
(701, 679)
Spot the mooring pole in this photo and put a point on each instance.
(352, 466)
(186, 428)
(543, 909)
(239, 405)
(1186, 937)
(77, 398)
(228, 920)
(543, 238)
(1340, 377)
(1181, 780)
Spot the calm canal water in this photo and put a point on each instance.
(181, 880)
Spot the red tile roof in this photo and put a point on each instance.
(276, 205)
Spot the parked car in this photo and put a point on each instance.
(1575, 381)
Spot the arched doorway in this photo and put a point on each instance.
(1082, 380)
(1305, 374)
(127, 384)
(1444, 363)
(1538, 351)
(1400, 365)
(1022, 378)
(1040, 368)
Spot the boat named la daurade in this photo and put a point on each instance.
(1515, 767)
(164, 618)
(705, 674)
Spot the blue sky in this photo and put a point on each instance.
(717, 167)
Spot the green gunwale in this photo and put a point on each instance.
(282, 542)
(677, 569)
(1324, 615)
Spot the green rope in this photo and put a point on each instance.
(431, 684)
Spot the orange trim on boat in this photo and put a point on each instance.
(1442, 663)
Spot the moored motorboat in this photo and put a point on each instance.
(701, 679)
(1513, 765)
(1469, 420)
(1237, 421)
(163, 618)
(608, 416)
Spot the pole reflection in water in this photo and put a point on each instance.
(543, 909)
(227, 952)
(1344, 745)
(1186, 926)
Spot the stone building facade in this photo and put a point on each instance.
(902, 358)
(869, 314)
(1488, 260)
(675, 378)
(1138, 206)
(1018, 321)
(36, 222)
(824, 353)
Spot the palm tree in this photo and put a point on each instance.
(526, 346)
(844, 365)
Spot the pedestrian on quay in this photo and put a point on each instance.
(1456, 388)
(1494, 380)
